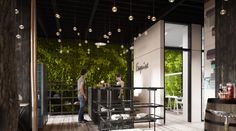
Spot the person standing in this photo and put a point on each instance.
(81, 95)
(120, 83)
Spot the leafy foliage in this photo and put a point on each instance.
(102, 63)
(173, 64)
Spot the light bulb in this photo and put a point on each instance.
(119, 30)
(75, 28)
(86, 41)
(139, 34)
(122, 46)
(127, 50)
(88, 50)
(57, 33)
(105, 36)
(108, 41)
(124, 52)
(222, 11)
(149, 17)
(131, 18)
(68, 51)
(171, 1)
(120, 54)
(154, 18)
(108, 37)
(109, 33)
(135, 38)
(57, 16)
(60, 51)
(21, 27)
(90, 30)
(18, 36)
(78, 33)
(98, 46)
(16, 11)
(114, 9)
(80, 44)
(60, 30)
(59, 40)
(145, 33)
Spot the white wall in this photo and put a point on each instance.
(196, 69)
(149, 49)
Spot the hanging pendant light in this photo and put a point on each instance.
(60, 30)
(90, 30)
(114, 8)
(109, 33)
(57, 33)
(16, 11)
(131, 18)
(222, 11)
(153, 12)
(171, 1)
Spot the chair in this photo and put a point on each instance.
(179, 104)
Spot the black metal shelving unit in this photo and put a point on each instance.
(114, 106)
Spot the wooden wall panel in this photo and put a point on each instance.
(225, 43)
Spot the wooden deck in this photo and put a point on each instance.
(68, 123)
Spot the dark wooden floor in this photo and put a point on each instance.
(68, 123)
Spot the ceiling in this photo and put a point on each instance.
(97, 14)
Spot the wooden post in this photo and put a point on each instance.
(8, 86)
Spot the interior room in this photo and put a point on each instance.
(117, 65)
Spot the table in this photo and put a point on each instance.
(177, 101)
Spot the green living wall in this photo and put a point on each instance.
(173, 72)
(65, 60)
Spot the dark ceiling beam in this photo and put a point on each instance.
(193, 6)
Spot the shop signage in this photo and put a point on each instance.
(141, 67)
